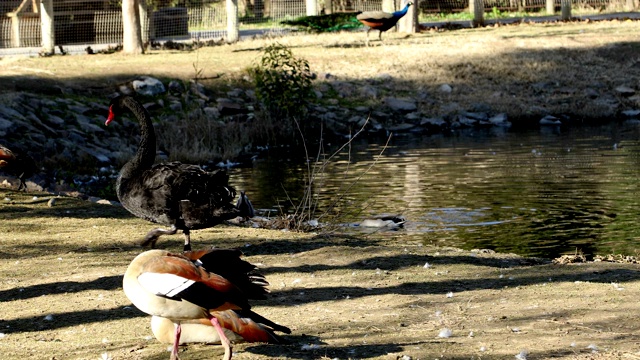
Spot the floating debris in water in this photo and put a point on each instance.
(310, 347)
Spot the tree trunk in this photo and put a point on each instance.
(565, 8)
(144, 21)
(312, 7)
(233, 31)
(409, 22)
(478, 13)
(132, 34)
(388, 6)
(48, 33)
(551, 7)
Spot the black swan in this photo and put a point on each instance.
(213, 285)
(184, 197)
(380, 20)
(18, 164)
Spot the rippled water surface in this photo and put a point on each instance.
(543, 193)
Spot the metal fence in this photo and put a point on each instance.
(100, 21)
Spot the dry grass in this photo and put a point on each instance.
(368, 297)
(496, 66)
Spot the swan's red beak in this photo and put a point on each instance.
(110, 117)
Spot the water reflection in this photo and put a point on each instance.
(541, 193)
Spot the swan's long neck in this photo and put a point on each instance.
(146, 154)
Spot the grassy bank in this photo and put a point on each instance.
(526, 70)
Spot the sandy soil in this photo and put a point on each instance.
(367, 297)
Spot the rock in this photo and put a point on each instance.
(148, 86)
(51, 202)
(228, 107)
(479, 116)
(175, 106)
(9, 113)
(499, 120)
(401, 127)
(235, 93)
(356, 119)
(631, 113)
(446, 88)
(591, 93)
(176, 87)
(55, 120)
(625, 91)
(343, 88)
(5, 124)
(384, 77)
(466, 121)
(550, 120)
(333, 101)
(126, 90)
(369, 91)
(400, 105)
(439, 122)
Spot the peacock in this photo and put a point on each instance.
(381, 20)
(326, 23)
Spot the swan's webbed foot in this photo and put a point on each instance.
(153, 235)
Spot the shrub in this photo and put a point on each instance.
(283, 86)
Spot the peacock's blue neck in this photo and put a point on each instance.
(403, 12)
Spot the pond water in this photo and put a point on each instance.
(543, 192)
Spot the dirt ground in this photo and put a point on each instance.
(368, 297)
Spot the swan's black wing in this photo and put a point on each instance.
(186, 195)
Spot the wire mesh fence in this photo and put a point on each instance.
(100, 21)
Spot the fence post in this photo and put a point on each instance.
(409, 22)
(551, 7)
(47, 30)
(312, 7)
(144, 20)
(478, 12)
(233, 32)
(630, 5)
(565, 8)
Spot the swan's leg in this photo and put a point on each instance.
(226, 344)
(176, 343)
(187, 240)
(153, 235)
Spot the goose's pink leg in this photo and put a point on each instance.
(176, 343)
(226, 344)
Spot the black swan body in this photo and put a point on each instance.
(17, 163)
(182, 196)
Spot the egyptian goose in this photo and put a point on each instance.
(17, 163)
(236, 328)
(182, 196)
(200, 285)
